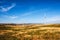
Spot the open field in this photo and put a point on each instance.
(29, 32)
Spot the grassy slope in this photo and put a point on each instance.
(30, 32)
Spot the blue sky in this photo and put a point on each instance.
(29, 11)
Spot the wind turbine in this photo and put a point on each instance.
(45, 21)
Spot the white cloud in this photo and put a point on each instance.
(35, 12)
(26, 14)
(54, 19)
(8, 8)
(11, 17)
(29, 13)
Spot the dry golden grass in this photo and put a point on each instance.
(30, 32)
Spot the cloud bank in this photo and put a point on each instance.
(54, 19)
(11, 17)
(2, 9)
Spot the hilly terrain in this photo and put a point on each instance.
(29, 31)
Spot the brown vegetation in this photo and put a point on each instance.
(29, 32)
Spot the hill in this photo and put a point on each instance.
(29, 31)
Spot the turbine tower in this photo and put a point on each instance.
(45, 18)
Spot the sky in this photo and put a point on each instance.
(29, 11)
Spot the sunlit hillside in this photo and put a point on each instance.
(29, 32)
